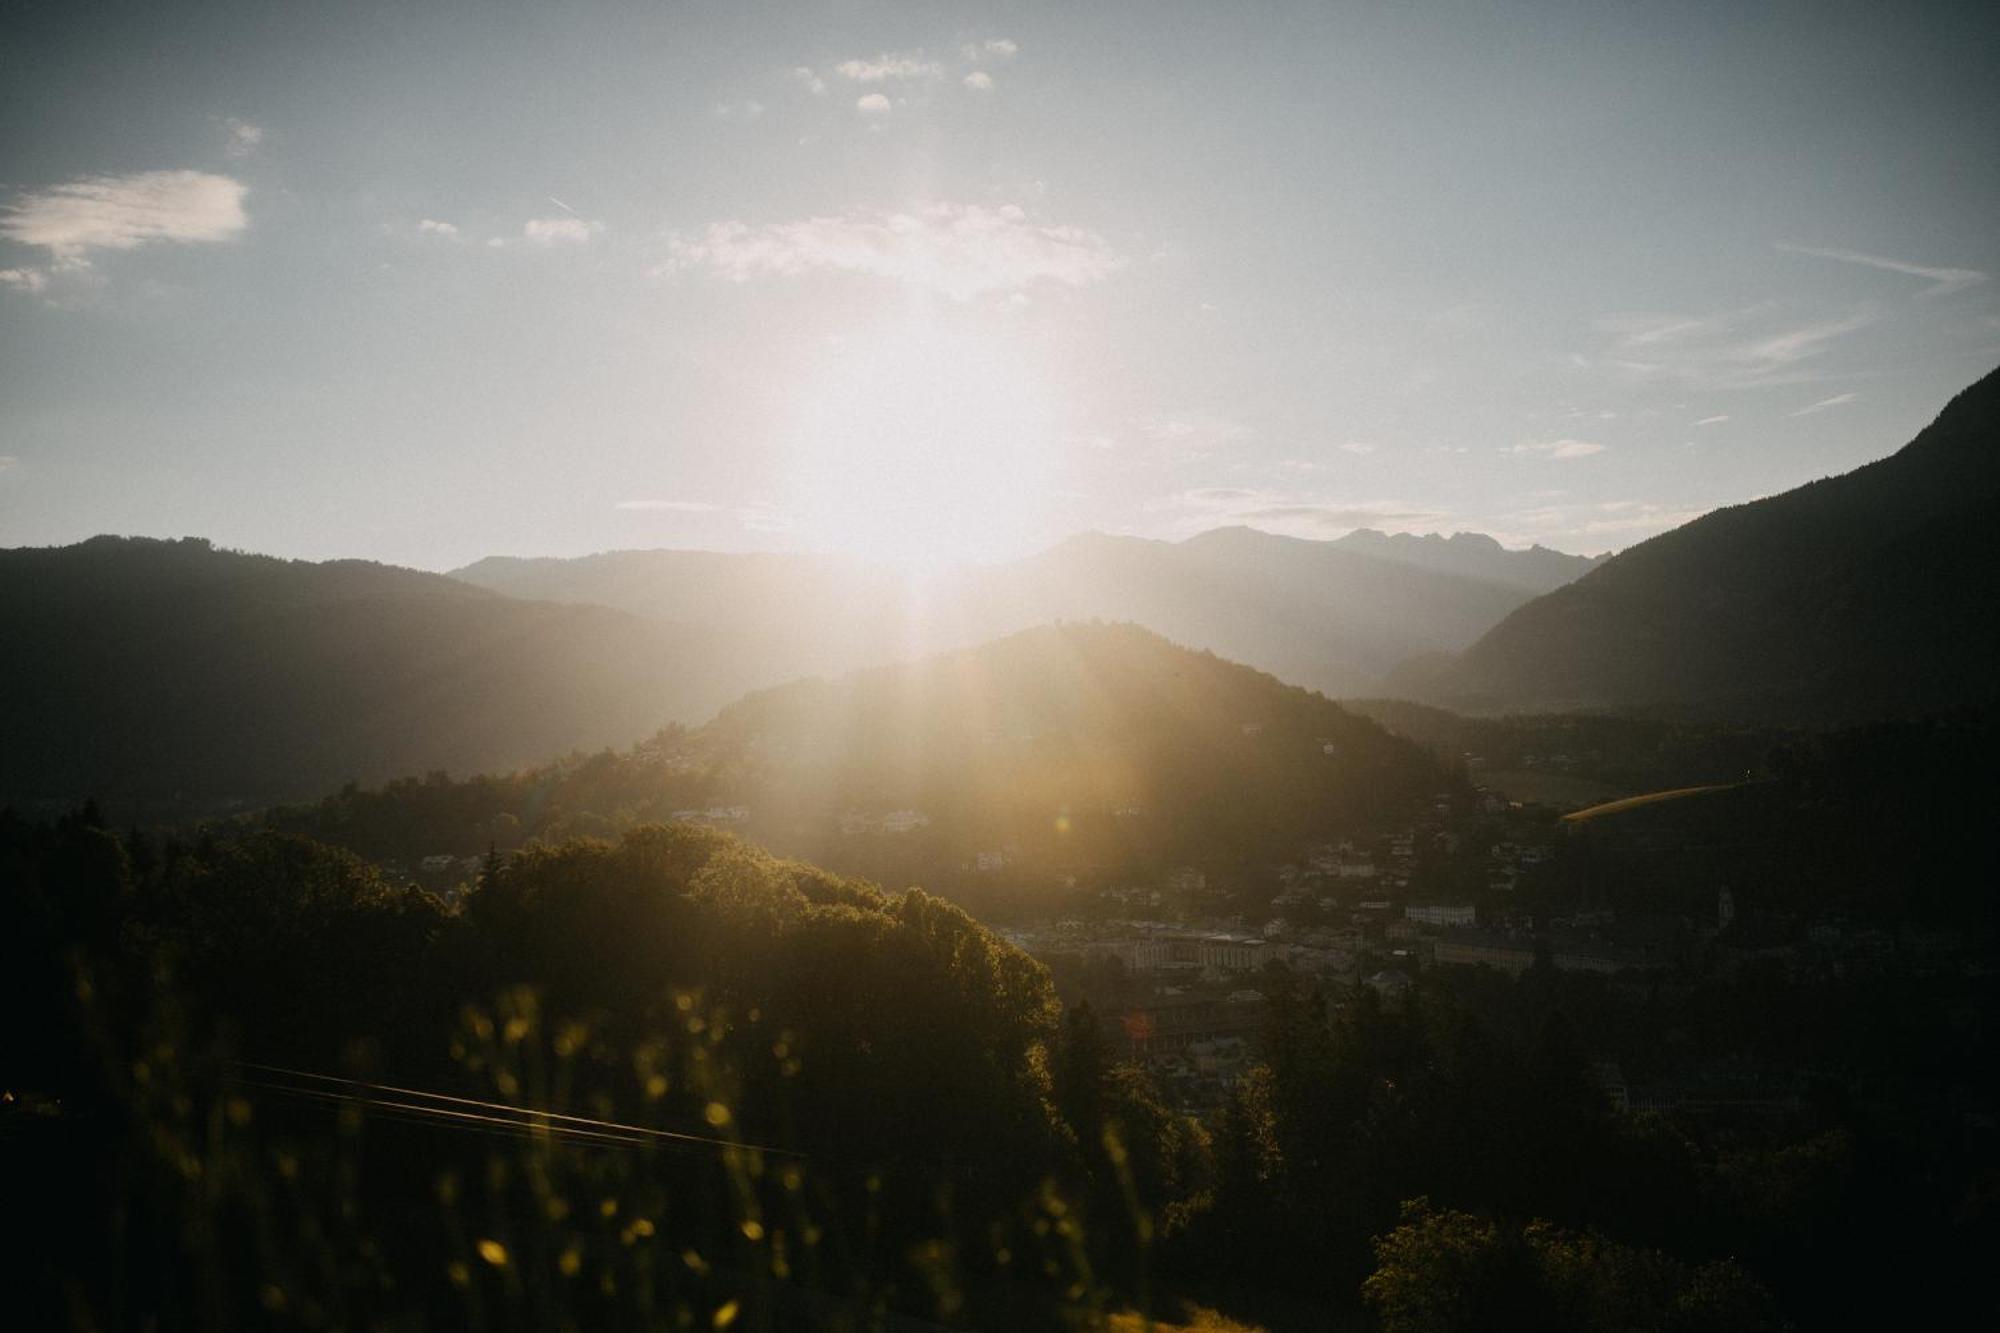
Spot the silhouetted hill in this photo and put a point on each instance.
(149, 671)
(1075, 743)
(1474, 555)
(1870, 594)
(1333, 616)
(1064, 749)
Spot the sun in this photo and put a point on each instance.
(923, 442)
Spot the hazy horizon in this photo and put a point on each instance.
(927, 284)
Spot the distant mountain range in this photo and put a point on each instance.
(1330, 615)
(173, 675)
(1473, 555)
(1871, 594)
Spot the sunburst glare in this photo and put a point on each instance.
(923, 442)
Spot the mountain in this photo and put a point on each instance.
(172, 676)
(149, 671)
(1870, 594)
(1474, 555)
(1066, 749)
(1075, 743)
(1334, 616)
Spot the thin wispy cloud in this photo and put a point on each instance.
(1943, 281)
(807, 78)
(125, 212)
(994, 48)
(762, 517)
(1192, 435)
(1735, 350)
(958, 250)
(979, 81)
(1563, 449)
(1592, 525)
(889, 65)
(756, 516)
(1826, 404)
(244, 138)
(872, 104)
(1715, 420)
(32, 280)
(443, 230)
(559, 231)
(1289, 513)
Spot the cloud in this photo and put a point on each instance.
(1361, 448)
(1558, 448)
(1194, 434)
(25, 279)
(979, 81)
(994, 48)
(1735, 350)
(1289, 513)
(559, 231)
(889, 65)
(754, 516)
(432, 227)
(1715, 420)
(872, 104)
(1616, 519)
(958, 250)
(1944, 281)
(7, 461)
(244, 138)
(124, 212)
(806, 78)
(738, 111)
(759, 516)
(1838, 400)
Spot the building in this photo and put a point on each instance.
(1441, 914)
(1227, 953)
(1171, 1027)
(1515, 954)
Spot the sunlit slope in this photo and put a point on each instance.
(147, 671)
(1064, 749)
(1865, 595)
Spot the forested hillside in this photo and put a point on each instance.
(1864, 595)
(1074, 749)
(671, 1080)
(176, 677)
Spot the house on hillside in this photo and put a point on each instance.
(1441, 914)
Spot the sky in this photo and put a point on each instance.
(936, 281)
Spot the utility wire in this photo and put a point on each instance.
(449, 1110)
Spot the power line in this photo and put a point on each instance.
(450, 1111)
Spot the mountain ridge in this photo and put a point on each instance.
(1858, 595)
(1318, 613)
